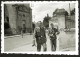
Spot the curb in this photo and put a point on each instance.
(5, 37)
(11, 36)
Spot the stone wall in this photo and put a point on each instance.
(12, 17)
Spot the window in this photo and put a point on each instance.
(23, 15)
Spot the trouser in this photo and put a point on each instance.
(53, 45)
(39, 47)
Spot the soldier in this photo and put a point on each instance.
(40, 36)
(52, 34)
(22, 32)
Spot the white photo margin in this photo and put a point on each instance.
(24, 2)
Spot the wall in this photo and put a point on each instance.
(70, 21)
(66, 40)
(53, 20)
(61, 21)
(15, 20)
(12, 17)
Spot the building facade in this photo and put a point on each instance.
(70, 20)
(61, 19)
(18, 16)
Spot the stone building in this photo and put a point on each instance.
(70, 20)
(61, 18)
(58, 18)
(16, 17)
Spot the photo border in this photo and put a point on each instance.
(55, 53)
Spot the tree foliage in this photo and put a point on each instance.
(46, 21)
(73, 11)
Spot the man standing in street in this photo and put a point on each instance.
(22, 32)
(40, 36)
(52, 34)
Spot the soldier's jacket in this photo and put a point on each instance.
(52, 33)
(40, 35)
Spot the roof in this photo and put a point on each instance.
(27, 6)
(59, 11)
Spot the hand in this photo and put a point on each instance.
(57, 33)
(50, 34)
(33, 45)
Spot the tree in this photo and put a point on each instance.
(46, 21)
(66, 13)
(73, 11)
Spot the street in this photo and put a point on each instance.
(19, 44)
(24, 44)
(17, 41)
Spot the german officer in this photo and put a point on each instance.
(40, 37)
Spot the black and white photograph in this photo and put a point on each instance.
(46, 27)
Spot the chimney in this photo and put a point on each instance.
(69, 10)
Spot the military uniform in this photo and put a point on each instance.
(52, 35)
(40, 38)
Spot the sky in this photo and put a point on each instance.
(40, 10)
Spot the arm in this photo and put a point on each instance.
(45, 32)
(48, 32)
(57, 31)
